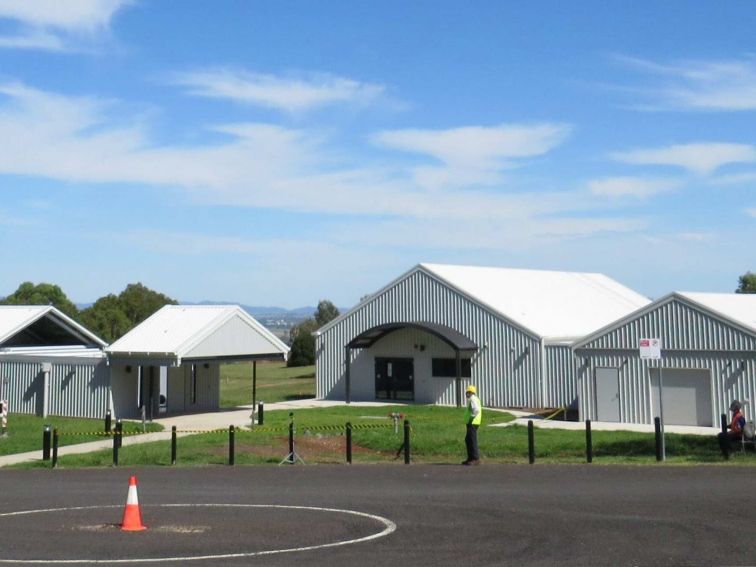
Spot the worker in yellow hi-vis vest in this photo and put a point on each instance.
(473, 417)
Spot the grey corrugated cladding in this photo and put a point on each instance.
(507, 369)
(691, 338)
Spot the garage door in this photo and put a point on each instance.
(687, 396)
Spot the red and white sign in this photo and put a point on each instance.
(650, 349)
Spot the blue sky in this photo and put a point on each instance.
(278, 153)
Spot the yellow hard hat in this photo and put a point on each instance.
(471, 389)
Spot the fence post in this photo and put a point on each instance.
(531, 443)
(588, 441)
(119, 432)
(173, 445)
(55, 448)
(46, 433)
(292, 458)
(260, 411)
(116, 444)
(406, 442)
(349, 443)
(231, 434)
(108, 421)
(658, 434)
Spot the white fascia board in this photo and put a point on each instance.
(614, 325)
(222, 319)
(369, 299)
(480, 303)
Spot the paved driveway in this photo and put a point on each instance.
(443, 515)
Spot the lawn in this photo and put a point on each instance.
(25, 431)
(436, 437)
(275, 383)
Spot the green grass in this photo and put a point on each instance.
(437, 436)
(25, 431)
(275, 383)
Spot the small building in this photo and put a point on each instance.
(708, 358)
(438, 327)
(50, 364)
(170, 363)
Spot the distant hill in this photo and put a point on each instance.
(262, 311)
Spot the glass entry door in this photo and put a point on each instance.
(394, 379)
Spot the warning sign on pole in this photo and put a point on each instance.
(650, 349)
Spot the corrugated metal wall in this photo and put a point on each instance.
(507, 367)
(23, 386)
(75, 390)
(79, 390)
(561, 382)
(690, 339)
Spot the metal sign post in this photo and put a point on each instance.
(650, 349)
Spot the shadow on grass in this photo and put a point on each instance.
(294, 397)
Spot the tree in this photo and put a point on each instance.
(113, 316)
(325, 313)
(106, 318)
(747, 283)
(302, 338)
(42, 294)
(303, 343)
(139, 302)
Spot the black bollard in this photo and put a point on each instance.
(406, 442)
(658, 434)
(116, 445)
(108, 421)
(723, 421)
(292, 458)
(55, 448)
(349, 443)
(46, 437)
(119, 433)
(531, 443)
(260, 411)
(588, 442)
(231, 435)
(173, 445)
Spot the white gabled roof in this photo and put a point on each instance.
(15, 318)
(739, 307)
(198, 331)
(554, 305)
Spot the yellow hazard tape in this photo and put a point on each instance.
(301, 428)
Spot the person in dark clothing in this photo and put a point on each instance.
(735, 429)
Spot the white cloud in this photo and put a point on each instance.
(638, 187)
(751, 212)
(702, 158)
(268, 166)
(54, 25)
(472, 155)
(290, 94)
(695, 85)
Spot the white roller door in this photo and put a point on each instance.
(687, 396)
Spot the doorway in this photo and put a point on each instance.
(607, 394)
(394, 379)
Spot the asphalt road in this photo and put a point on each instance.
(443, 515)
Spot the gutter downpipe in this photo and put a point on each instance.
(543, 373)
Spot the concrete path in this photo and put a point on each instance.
(243, 417)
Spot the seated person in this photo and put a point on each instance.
(735, 432)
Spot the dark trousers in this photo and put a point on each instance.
(471, 442)
(725, 442)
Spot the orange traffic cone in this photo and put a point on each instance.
(132, 516)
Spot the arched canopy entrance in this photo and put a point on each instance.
(456, 340)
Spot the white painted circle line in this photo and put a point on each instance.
(389, 527)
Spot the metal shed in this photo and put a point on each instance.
(170, 363)
(51, 365)
(708, 358)
(513, 330)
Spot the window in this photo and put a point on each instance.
(447, 368)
